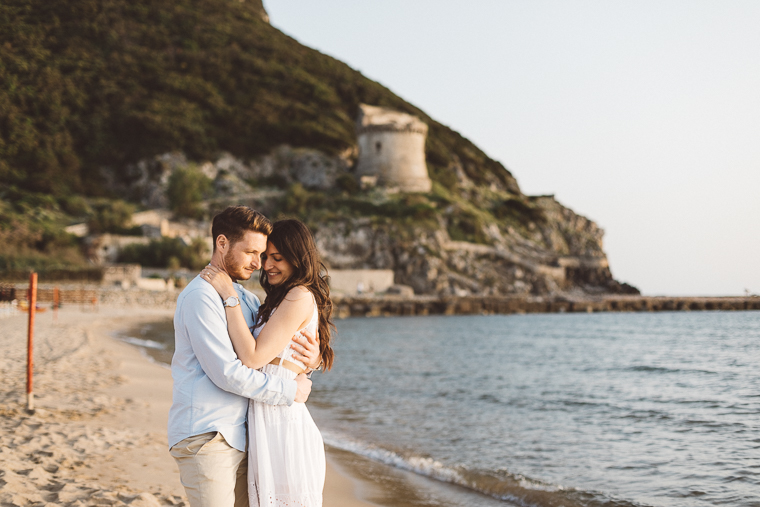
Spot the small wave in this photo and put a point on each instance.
(501, 485)
(150, 344)
(653, 369)
(663, 369)
(489, 398)
(582, 403)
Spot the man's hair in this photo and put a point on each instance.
(235, 221)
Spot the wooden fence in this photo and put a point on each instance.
(65, 296)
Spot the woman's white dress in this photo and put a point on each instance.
(286, 454)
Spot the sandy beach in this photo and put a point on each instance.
(98, 434)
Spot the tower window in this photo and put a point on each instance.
(378, 145)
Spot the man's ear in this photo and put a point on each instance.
(222, 243)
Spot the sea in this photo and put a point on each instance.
(602, 409)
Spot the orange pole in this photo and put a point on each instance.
(30, 342)
(56, 303)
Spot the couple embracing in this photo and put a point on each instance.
(238, 427)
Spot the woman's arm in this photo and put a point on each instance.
(291, 315)
(241, 337)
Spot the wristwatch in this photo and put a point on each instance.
(231, 302)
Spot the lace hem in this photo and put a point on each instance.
(304, 500)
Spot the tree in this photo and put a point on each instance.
(187, 188)
(111, 216)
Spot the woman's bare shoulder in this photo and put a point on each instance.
(298, 293)
(297, 304)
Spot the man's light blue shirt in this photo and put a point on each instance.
(211, 385)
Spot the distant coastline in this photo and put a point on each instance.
(393, 305)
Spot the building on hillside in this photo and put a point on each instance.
(392, 149)
(158, 224)
(360, 281)
(105, 248)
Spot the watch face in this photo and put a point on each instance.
(231, 301)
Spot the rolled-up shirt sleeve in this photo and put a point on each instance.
(206, 326)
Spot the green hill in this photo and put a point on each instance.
(92, 83)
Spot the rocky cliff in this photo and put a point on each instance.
(468, 239)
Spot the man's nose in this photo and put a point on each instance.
(256, 262)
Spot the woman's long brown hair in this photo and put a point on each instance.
(295, 243)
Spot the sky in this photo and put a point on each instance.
(643, 116)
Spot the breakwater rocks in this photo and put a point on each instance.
(91, 296)
(473, 305)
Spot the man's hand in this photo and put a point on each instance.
(303, 389)
(306, 349)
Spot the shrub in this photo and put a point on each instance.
(347, 183)
(444, 175)
(518, 209)
(167, 253)
(275, 180)
(75, 205)
(411, 206)
(32, 246)
(113, 217)
(296, 200)
(464, 226)
(304, 204)
(187, 188)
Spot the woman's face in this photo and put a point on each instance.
(275, 266)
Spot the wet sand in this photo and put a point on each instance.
(98, 434)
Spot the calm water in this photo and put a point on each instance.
(657, 409)
(624, 409)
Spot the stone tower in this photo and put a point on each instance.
(392, 149)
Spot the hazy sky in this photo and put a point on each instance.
(643, 116)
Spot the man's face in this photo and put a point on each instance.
(244, 257)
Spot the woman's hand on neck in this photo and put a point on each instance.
(217, 260)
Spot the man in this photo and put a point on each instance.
(207, 420)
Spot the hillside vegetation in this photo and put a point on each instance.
(92, 83)
(194, 104)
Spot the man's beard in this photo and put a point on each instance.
(236, 272)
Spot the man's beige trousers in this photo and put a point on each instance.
(213, 473)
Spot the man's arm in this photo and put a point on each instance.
(306, 349)
(206, 327)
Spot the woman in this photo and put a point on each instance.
(286, 460)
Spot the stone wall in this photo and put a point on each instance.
(360, 281)
(123, 275)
